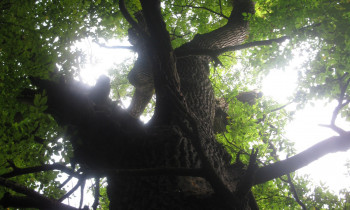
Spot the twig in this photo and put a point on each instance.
(294, 192)
(289, 181)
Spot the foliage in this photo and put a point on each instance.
(104, 202)
(36, 39)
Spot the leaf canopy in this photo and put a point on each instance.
(37, 39)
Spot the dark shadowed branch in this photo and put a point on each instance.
(195, 172)
(247, 182)
(56, 166)
(127, 16)
(80, 182)
(130, 20)
(32, 199)
(65, 182)
(96, 193)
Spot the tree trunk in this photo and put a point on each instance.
(174, 146)
(174, 162)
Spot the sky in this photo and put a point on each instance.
(304, 130)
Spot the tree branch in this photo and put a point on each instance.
(32, 199)
(196, 172)
(127, 16)
(97, 193)
(65, 182)
(205, 8)
(246, 183)
(80, 182)
(330, 145)
(217, 52)
(343, 87)
(56, 166)
(82, 186)
(281, 107)
(115, 47)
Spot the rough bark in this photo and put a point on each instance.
(183, 91)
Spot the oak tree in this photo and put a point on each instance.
(197, 60)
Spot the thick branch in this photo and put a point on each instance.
(104, 127)
(233, 33)
(34, 199)
(127, 16)
(333, 144)
(196, 172)
(217, 52)
(166, 79)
